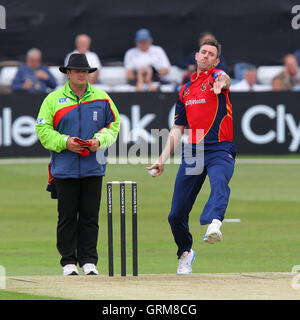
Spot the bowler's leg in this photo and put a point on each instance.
(219, 171)
(186, 190)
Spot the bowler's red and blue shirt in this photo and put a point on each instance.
(208, 116)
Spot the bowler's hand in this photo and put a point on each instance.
(74, 146)
(95, 145)
(159, 167)
(223, 82)
(218, 86)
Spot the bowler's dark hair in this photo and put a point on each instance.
(214, 43)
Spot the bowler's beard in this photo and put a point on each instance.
(203, 67)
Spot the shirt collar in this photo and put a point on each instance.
(202, 74)
(69, 92)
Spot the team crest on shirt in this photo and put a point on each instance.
(95, 116)
(203, 87)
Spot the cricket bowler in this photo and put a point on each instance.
(204, 106)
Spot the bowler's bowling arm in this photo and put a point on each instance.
(172, 142)
(223, 82)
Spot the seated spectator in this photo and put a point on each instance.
(33, 77)
(189, 63)
(249, 82)
(83, 44)
(278, 84)
(297, 55)
(291, 73)
(146, 62)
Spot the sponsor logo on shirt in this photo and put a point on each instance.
(194, 101)
(63, 100)
(40, 121)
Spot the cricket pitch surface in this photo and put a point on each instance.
(227, 286)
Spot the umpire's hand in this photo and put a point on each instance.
(95, 145)
(74, 146)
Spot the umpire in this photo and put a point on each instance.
(77, 111)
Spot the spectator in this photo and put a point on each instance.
(146, 62)
(291, 73)
(33, 77)
(83, 44)
(249, 82)
(278, 84)
(297, 55)
(189, 62)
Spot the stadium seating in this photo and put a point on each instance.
(265, 74)
(7, 75)
(123, 88)
(175, 75)
(60, 77)
(112, 78)
(115, 77)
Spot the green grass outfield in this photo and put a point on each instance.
(264, 196)
(9, 295)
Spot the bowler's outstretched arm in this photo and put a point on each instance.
(172, 142)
